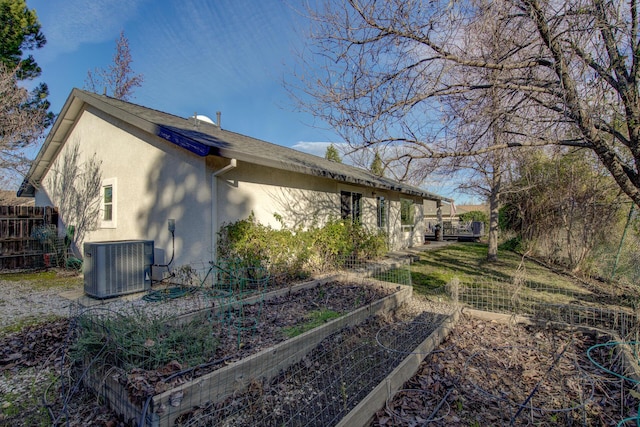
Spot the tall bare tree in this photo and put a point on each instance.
(22, 122)
(567, 73)
(479, 120)
(118, 79)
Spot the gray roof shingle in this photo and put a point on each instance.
(204, 139)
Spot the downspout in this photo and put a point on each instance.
(214, 207)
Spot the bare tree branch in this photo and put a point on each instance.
(22, 122)
(387, 72)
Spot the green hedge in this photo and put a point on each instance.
(294, 254)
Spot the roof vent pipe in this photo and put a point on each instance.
(218, 115)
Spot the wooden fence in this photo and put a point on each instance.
(18, 247)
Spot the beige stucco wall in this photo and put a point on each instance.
(403, 237)
(430, 208)
(303, 200)
(155, 182)
(299, 199)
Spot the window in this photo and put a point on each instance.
(351, 206)
(108, 203)
(406, 213)
(381, 209)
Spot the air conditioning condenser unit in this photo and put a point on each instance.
(117, 267)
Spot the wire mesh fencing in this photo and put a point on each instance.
(546, 304)
(227, 347)
(506, 374)
(325, 384)
(307, 354)
(559, 357)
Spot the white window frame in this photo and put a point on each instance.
(408, 226)
(113, 183)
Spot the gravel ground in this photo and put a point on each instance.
(19, 302)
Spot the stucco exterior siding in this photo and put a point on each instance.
(405, 236)
(303, 200)
(396, 238)
(430, 208)
(155, 182)
(299, 199)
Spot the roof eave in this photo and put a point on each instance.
(72, 108)
(78, 100)
(52, 144)
(324, 173)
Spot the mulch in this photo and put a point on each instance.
(488, 373)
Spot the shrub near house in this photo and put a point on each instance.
(294, 254)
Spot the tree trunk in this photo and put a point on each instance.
(494, 209)
(492, 253)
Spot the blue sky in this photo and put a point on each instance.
(197, 56)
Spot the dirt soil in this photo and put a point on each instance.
(485, 373)
(330, 381)
(241, 333)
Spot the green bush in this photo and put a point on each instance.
(340, 242)
(295, 254)
(513, 244)
(475, 216)
(509, 219)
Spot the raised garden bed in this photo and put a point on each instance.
(257, 350)
(328, 384)
(445, 391)
(509, 370)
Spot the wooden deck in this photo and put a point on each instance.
(463, 232)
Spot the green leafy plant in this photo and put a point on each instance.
(293, 254)
(475, 216)
(514, 244)
(141, 340)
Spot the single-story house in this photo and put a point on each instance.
(156, 167)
